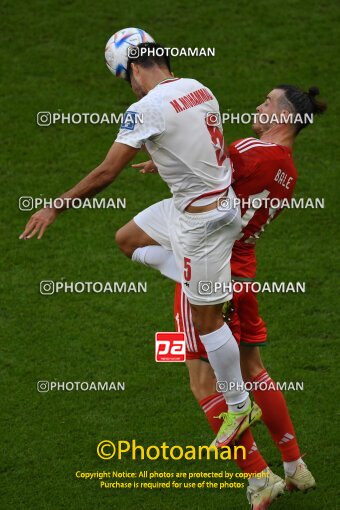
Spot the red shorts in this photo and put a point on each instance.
(245, 322)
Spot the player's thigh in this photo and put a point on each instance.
(252, 327)
(131, 236)
(202, 378)
(149, 227)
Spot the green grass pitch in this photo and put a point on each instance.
(52, 56)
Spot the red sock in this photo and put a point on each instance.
(276, 417)
(213, 406)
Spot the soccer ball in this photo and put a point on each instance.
(116, 51)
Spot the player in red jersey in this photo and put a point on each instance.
(263, 170)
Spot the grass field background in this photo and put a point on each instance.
(52, 55)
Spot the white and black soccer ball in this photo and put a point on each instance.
(116, 51)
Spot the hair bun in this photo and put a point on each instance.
(313, 91)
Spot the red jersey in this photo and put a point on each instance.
(264, 174)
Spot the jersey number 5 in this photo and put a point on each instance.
(187, 269)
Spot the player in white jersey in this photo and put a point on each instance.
(187, 237)
(191, 170)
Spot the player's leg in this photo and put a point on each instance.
(203, 385)
(202, 244)
(223, 353)
(202, 379)
(275, 413)
(131, 236)
(145, 239)
(263, 488)
(276, 417)
(212, 403)
(203, 382)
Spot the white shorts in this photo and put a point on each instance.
(202, 244)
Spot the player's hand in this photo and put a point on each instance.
(38, 223)
(147, 167)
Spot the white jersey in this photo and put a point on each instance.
(171, 120)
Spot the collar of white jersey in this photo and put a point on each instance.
(167, 80)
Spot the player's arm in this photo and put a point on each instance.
(117, 158)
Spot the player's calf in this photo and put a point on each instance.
(202, 380)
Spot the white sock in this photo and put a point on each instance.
(158, 258)
(240, 407)
(259, 482)
(290, 467)
(224, 357)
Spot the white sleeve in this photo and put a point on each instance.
(142, 121)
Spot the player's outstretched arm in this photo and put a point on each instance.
(117, 158)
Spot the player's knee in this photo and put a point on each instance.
(205, 325)
(123, 242)
(206, 321)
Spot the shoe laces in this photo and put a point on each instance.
(226, 417)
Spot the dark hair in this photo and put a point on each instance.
(148, 55)
(303, 103)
